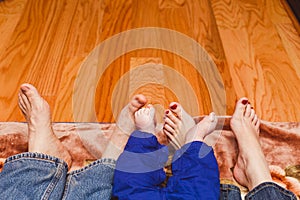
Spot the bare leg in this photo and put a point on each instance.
(251, 168)
(125, 125)
(41, 137)
(177, 124)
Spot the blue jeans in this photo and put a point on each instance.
(267, 190)
(38, 176)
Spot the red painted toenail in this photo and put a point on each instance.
(24, 88)
(252, 108)
(245, 101)
(174, 106)
(167, 112)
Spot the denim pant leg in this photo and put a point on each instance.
(91, 182)
(33, 176)
(267, 190)
(139, 170)
(195, 173)
(229, 192)
(270, 190)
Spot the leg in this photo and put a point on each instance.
(230, 192)
(195, 169)
(251, 169)
(35, 175)
(92, 182)
(41, 137)
(125, 125)
(139, 169)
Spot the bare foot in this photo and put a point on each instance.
(144, 119)
(202, 129)
(251, 168)
(125, 126)
(125, 120)
(41, 137)
(177, 124)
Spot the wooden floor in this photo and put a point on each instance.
(88, 57)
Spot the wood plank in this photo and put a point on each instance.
(277, 68)
(258, 58)
(10, 13)
(47, 43)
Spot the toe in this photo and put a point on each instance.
(254, 119)
(25, 101)
(252, 114)
(176, 108)
(212, 117)
(248, 111)
(170, 123)
(240, 107)
(29, 90)
(138, 101)
(21, 104)
(168, 128)
(152, 112)
(172, 117)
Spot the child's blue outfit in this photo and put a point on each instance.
(139, 171)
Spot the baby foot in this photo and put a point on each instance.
(41, 137)
(144, 119)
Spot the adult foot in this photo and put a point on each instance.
(125, 120)
(177, 123)
(251, 168)
(41, 137)
(125, 125)
(144, 119)
(206, 126)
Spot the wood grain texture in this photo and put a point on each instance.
(254, 45)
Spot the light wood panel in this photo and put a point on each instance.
(254, 45)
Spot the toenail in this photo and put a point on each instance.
(24, 89)
(252, 108)
(174, 106)
(167, 112)
(245, 101)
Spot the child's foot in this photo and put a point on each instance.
(144, 119)
(125, 120)
(202, 129)
(251, 168)
(41, 137)
(177, 124)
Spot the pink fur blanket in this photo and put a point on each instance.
(86, 141)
